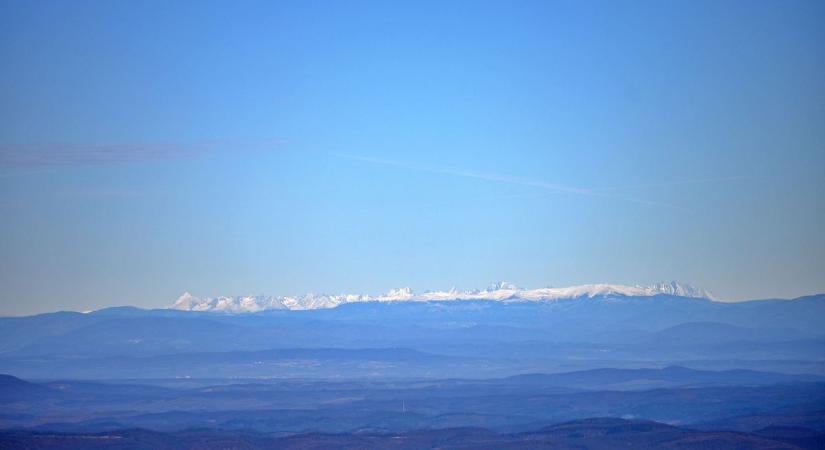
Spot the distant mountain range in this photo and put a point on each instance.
(469, 338)
(592, 434)
(514, 364)
(501, 291)
(692, 409)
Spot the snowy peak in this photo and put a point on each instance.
(404, 293)
(502, 286)
(681, 290)
(501, 291)
(186, 302)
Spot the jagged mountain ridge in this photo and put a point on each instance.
(501, 291)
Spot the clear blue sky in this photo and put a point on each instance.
(148, 148)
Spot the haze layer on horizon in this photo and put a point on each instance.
(152, 148)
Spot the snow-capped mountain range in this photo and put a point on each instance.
(501, 291)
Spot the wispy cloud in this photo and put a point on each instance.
(488, 176)
(671, 183)
(104, 193)
(23, 173)
(609, 193)
(64, 154)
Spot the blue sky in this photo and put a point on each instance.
(148, 148)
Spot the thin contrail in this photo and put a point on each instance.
(559, 188)
(24, 173)
(673, 183)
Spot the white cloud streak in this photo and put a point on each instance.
(500, 178)
(111, 153)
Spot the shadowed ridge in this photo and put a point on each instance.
(612, 425)
(15, 389)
